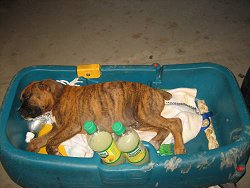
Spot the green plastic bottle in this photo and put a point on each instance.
(103, 143)
(128, 141)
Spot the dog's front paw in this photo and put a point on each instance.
(52, 150)
(32, 146)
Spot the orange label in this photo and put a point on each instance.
(111, 154)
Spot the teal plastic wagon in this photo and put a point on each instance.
(200, 167)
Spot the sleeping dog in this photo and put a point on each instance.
(134, 104)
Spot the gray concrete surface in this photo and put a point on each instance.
(73, 32)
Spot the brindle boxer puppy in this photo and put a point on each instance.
(133, 104)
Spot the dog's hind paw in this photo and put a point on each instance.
(179, 151)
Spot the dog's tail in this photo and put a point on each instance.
(166, 95)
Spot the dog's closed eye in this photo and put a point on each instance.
(26, 96)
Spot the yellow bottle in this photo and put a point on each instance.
(129, 143)
(103, 143)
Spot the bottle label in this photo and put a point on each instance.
(136, 155)
(111, 154)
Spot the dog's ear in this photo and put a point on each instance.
(52, 86)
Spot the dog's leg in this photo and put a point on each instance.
(148, 113)
(159, 138)
(36, 143)
(63, 135)
(173, 125)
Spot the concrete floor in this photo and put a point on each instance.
(122, 32)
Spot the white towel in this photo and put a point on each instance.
(182, 105)
(78, 146)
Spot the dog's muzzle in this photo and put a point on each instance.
(28, 111)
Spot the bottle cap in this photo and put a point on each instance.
(90, 127)
(118, 128)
